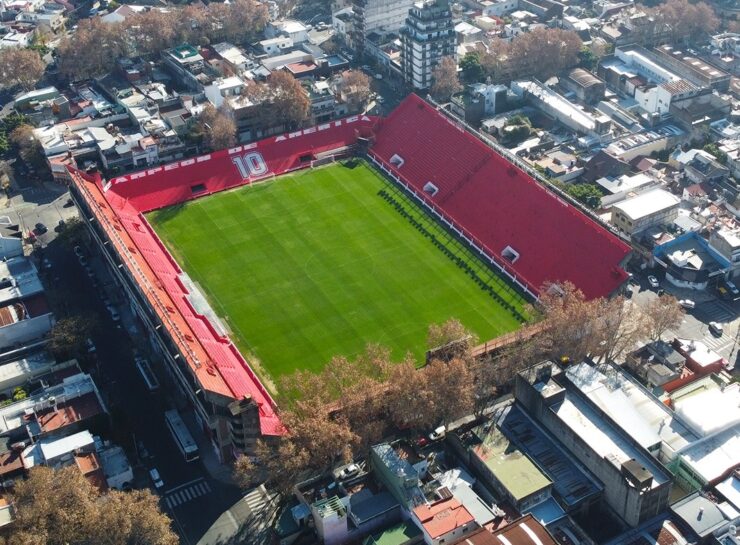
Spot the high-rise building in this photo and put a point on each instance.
(427, 37)
(379, 16)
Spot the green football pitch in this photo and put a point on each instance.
(322, 262)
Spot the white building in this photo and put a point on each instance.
(427, 38)
(295, 30)
(569, 114)
(726, 242)
(277, 45)
(652, 208)
(378, 16)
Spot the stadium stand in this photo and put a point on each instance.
(488, 200)
(496, 205)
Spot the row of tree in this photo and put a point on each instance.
(541, 53)
(89, 50)
(335, 414)
(280, 102)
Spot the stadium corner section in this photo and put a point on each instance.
(230, 402)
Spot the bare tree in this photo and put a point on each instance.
(661, 314)
(58, 507)
(218, 127)
(289, 100)
(445, 80)
(685, 20)
(622, 325)
(356, 87)
(20, 67)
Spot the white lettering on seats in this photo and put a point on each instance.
(250, 165)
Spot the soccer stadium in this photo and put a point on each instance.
(248, 263)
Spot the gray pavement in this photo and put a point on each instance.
(695, 323)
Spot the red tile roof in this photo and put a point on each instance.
(442, 517)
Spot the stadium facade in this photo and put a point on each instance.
(517, 225)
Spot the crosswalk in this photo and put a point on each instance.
(718, 344)
(185, 493)
(716, 312)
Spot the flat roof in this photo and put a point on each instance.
(730, 489)
(401, 533)
(648, 203)
(20, 279)
(511, 467)
(710, 409)
(625, 182)
(638, 413)
(54, 448)
(572, 483)
(603, 438)
(699, 513)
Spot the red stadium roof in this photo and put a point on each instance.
(498, 205)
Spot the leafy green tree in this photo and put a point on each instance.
(588, 194)
(713, 149)
(587, 59)
(472, 71)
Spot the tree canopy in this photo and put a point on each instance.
(61, 507)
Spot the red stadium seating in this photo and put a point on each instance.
(498, 205)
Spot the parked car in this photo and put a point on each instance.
(40, 228)
(687, 303)
(438, 433)
(716, 328)
(653, 281)
(45, 263)
(90, 346)
(79, 252)
(156, 479)
(348, 471)
(114, 314)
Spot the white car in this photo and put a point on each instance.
(653, 282)
(716, 328)
(349, 471)
(438, 433)
(687, 303)
(156, 479)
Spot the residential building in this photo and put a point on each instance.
(557, 106)
(187, 65)
(277, 45)
(479, 101)
(689, 261)
(379, 17)
(703, 518)
(427, 37)
(656, 363)
(295, 31)
(726, 242)
(24, 312)
(502, 466)
(692, 68)
(444, 521)
(588, 88)
(636, 486)
(399, 475)
(526, 530)
(232, 56)
(628, 147)
(652, 208)
(30, 367)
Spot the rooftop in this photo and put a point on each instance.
(524, 531)
(700, 514)
(18, 279)
(509, 465)
(636, 411)
(572, 483)
(626, 182)
(648, 203)
(603, 438)
(708, 407)
(442, 516)
(399, 534)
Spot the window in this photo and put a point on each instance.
(430, 189)
(510, 255)
(198, 188)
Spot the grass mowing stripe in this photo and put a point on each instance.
(317, 264)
